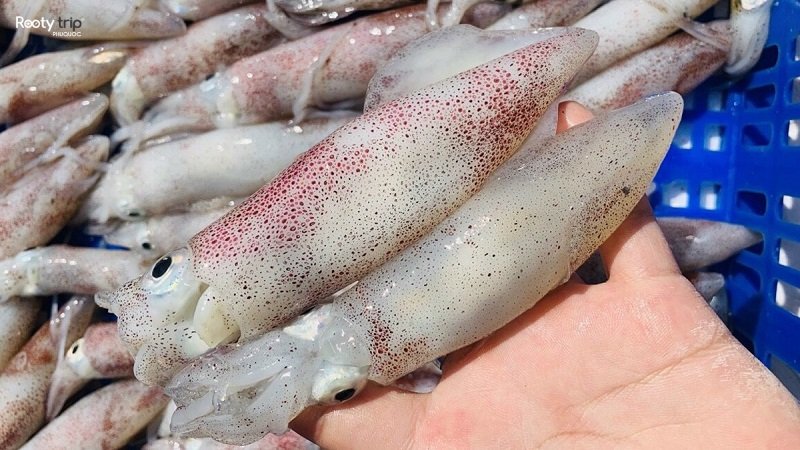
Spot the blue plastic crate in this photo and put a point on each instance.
(736, 158)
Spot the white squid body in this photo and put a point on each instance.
(628, 26)
(104, 20)
(348, 204)
(229, 163)
(194, 10)
(168, 65)
(750, 25)
(154, 236)
(545, 13)
(42, 82)
(541, 215)
(679, 63)
(22, 144)
(40, 204)
(59, 268)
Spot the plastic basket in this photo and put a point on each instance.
(736, 158)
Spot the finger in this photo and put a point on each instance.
(571, 113)
(637, 248)
(380, 417)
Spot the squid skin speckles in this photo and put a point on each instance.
(344, 207)
(539, 217)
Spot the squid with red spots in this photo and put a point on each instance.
(42, 82)
(327, 69)
(168, 65)
(24, 382)
(354, 200)
(539, 217)
(99, 354)
(104, 419)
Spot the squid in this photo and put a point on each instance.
(157, 235)
(545, 13)
(17, 323)
(323, 70)
(169, 65)
(700, 243)
(106, 418)
(750, 25)
(541, 215)
(91, 20)
(194, 10)
(679, 63)
(37, 206)
(33, 141)
(43, 82)
(24, 383)
(99, 354)
(287, 441)
(229, 163)
(324, 11)
(345, 206)
(60, 268)
(629, 26)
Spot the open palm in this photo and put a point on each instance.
(639, 361)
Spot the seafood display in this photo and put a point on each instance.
(402, 161)
(284, 201)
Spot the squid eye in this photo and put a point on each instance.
(161, 267)
(167, 273)
(343, 396)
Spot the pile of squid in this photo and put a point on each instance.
(294, 198)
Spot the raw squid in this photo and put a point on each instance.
(60, 268)
(230, 163)
(106, 418)
(42, 82)
(287, 441)
(202, 9)
(99, 354)
(105, 20)
(541, 215)
(370, 189)
(17, 323)
(628, 26)
(324, 11)
(750, 26)
(266, 86)
(545, 13)
(26, 143)
(154, 236)
(680, 63)
(700, 243)
(24, 383)
(37, 206)
(166, 66)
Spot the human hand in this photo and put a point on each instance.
(639, 361)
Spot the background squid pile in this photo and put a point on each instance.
(176, 111)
